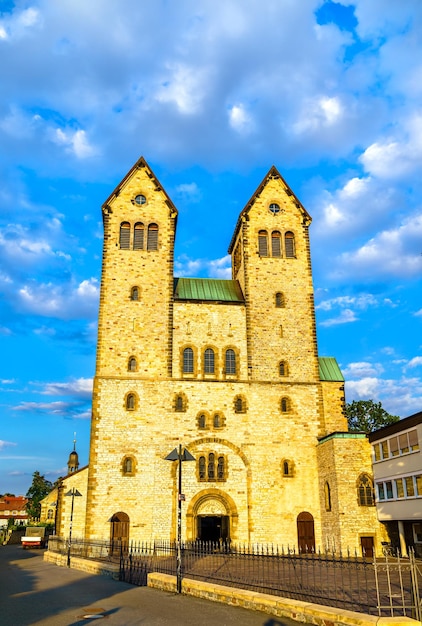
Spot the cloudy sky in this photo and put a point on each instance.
(211, 93)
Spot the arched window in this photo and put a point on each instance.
(134, 293)
(188, 361)
(286, 468)
(124, 236)
(327, 496)
(179, 404)
(220, 468)
(263, 243)
(50, 514)
(239, 405)
(152, 237)
(211, 466)
(127, 465)
(282, 368)
(202, 421)
(276, 243)
(365, 487)
(230, 362)
(279, 300)
(132, 364)
(285, 405)
(130, 402)
(289, 245)
(138, 236)
(217, 421)
(209, 361)
(202, 468)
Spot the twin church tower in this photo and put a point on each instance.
(229, 370)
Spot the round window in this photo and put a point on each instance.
(274, 208)
(140, 199)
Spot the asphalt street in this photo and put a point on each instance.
(35, 593)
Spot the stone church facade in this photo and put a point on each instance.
(230, 371)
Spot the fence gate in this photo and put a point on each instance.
(398, 581)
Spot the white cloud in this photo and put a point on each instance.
(184, 87)
(75, 141)
(415, 362)
(346, 317)
(189, 192)
(362, 369)
(65, 301)
(362, 302)
(216, 268)
(394, 252)
(6, 444)
(81, 387)
(320, 112)
(17, 25)
(239, 119)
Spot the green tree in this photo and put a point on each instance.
(38, 490)
(367, 416)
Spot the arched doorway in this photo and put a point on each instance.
(305, 532)
(119, 531)
(212, 516)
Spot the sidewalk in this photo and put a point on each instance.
(36, 593)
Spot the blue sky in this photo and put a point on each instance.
(211, 93)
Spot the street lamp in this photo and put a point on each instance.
(73, 492)
(179, 455)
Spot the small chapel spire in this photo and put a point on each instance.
(73, 462)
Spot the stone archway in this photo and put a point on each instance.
(211, 516)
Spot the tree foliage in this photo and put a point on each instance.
(367, 416)
(38, 490)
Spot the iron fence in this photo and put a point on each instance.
(384, 587)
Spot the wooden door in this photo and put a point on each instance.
(305, 532)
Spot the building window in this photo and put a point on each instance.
(180, 403)
(282, 368)
(417, 532)
(405, 443)
(124, 236)
(50, 514)
(279, 300)
(152, 243)
(202, 421)
(188, 361)
(327, 496)
(130, 402)
(276, 243)
(289, 244)
(128, 466)
(212, 467)
(140, 199)
(287, 468)
(138, 236)
(217, 421)
(239, 405)
(230, 362)
(274, 208)
(285, 405)
(365, 491)
(134, 293)
(263, 243)
(202, 468)
(209, 361)
(132, 364)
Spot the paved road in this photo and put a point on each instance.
(35, 593)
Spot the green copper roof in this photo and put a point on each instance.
(329, 369)
(207, 289)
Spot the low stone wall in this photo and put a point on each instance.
(84, 565)
(281, 607)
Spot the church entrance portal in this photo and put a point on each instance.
(213, 527)
(119, 532)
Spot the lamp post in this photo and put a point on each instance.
(179, 455)
(72, 493)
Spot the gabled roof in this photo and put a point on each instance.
(140, 163)
(273, 173)
(207, 289)
(329, 369)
